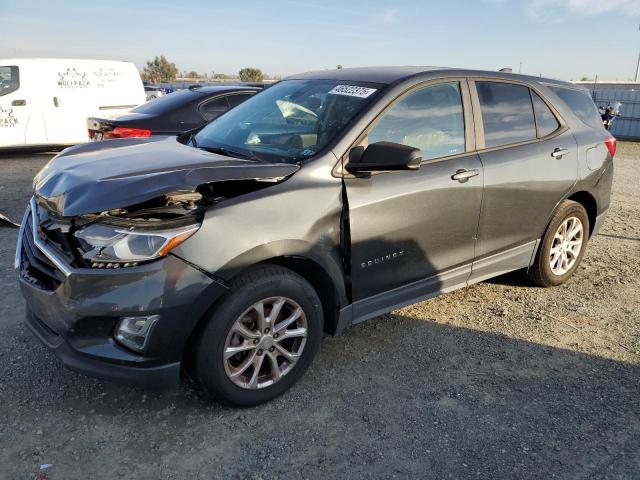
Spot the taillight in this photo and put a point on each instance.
(610, 142)
(124, 132)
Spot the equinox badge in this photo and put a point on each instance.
(383, 259)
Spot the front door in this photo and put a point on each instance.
(416, 229)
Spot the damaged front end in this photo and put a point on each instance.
(121, 210)
(127, 237)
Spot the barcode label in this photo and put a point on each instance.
(352, 91)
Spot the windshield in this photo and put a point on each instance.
(289, 122)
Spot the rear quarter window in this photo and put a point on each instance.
(581, 103)
(546, 121)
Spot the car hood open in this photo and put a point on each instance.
(101, 176)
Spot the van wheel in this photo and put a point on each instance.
(562, 247)
(259, 339)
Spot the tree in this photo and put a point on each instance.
(160, 70)
(339, 67)
(250, 75)
(193, 74)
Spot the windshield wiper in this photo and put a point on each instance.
(231, 153)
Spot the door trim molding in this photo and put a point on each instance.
(503, 262)
(411, 293)
(500, 263)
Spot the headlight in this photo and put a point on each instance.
(106, 244)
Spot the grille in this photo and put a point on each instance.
(35, 266)
(51, 231)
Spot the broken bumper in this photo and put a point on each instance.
(75, 311)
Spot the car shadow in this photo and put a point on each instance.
(620, 237)
(511, 279)
(398, 396)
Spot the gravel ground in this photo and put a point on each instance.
(499, 380)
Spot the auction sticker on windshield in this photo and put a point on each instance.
(352, 91)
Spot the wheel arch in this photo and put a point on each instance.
(322, 283)
(589, 203)
(316, 265)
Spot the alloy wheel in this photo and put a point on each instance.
(265, 343)
(566, 246)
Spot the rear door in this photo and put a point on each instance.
(409, 226)
(529, 158)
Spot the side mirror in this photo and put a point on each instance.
(384, 156)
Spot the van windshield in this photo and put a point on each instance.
(9, 79)
(288, 122)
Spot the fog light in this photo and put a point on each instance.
(133, 332)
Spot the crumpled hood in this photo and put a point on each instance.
(100, 176)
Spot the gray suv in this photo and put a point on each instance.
(224, 255)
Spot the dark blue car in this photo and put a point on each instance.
(171, 114)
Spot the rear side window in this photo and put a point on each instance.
(546, 121)
(9, 80)
(214, 108)
(237, 99)
(430, 119)
(581, 104)
(507, 113)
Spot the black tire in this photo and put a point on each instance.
(205, 361)
(540, 273)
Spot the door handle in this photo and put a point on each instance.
(559, 152)
(56, 103)
(18, 103)
(463, 175)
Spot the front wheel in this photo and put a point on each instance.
(563, 245)
(259, 339)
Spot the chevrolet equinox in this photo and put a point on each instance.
(223, 255)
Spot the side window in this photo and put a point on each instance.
(214, 108)
(430, 119)
(581, 103)
(237, 98)
(546, 121)
(507, 113)
(9, 80)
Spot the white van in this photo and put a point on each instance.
(46, 101)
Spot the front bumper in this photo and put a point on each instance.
(161, 377)
(77, 314)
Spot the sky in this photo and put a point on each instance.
(566, 39)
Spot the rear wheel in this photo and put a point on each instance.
(563, 245)
(260, 339)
